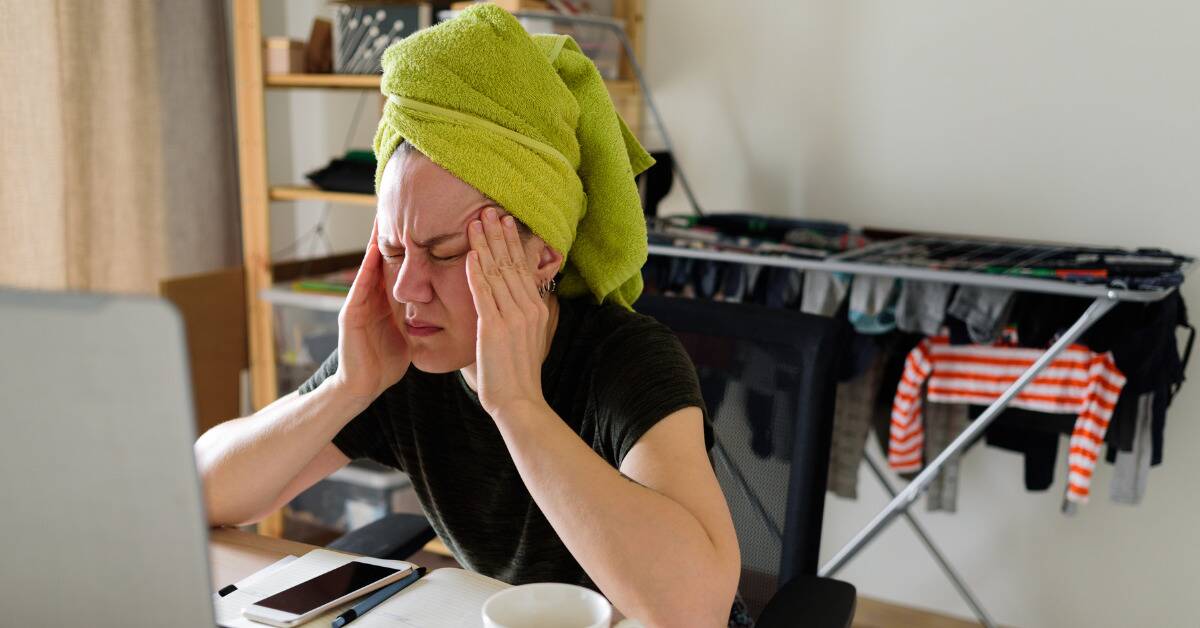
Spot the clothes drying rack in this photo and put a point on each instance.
(965, 262)
(895, 258)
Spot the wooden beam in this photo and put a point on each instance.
(252, 165)
(256, 226)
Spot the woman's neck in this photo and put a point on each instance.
(469, 372)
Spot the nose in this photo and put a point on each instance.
(412, 282)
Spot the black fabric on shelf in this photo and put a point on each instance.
(345, 175)
(655, 182)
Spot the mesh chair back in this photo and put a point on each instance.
(767, 377)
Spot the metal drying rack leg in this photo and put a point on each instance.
(951, 573)
(901, 502)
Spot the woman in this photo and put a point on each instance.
(488, 349)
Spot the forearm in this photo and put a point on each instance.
(246, 463)
(648, 554)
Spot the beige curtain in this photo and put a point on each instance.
(116, 144)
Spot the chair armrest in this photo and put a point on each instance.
(810, 601)
(394, 537)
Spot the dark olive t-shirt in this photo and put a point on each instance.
(610, 374)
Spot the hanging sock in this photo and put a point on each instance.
(873, 304)
(984, 310)
(921, 306)
(823, 292)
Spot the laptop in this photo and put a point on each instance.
(101, 516)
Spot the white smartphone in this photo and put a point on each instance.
(316, 595)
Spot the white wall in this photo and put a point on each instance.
(1054, 119)
(1077, 121)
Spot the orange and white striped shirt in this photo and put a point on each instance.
(1078, 381)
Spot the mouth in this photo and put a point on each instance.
(420, 328)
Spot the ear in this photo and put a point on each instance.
(549, 262)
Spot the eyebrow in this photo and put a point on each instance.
(438, 239)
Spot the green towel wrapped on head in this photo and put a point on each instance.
(527, 121)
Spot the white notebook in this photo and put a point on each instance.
(443, 598)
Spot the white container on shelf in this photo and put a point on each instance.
(283, 56)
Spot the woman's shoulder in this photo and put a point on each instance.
(604, 321)
(614, 335)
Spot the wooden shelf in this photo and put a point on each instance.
(331, 81)
(282, 294)
(306, 193)
(371, 81)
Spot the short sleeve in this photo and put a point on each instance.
(366, 435)
(642, 375)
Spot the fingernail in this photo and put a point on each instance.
(489, 212)
(508, 221)
(477, 225)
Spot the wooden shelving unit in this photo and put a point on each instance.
(257, 192)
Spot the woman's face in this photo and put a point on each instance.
(422, 216)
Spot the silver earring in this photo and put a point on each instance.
(550, 287)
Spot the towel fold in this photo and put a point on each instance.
(528, 121)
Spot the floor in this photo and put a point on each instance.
(877, 614)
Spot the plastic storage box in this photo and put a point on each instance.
(354, 496)
(304, 337)
(596, 41)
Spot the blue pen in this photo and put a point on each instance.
(377, 598)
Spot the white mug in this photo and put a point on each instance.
(547, 605)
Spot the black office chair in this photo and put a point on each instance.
(767, 377)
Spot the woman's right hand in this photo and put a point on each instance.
(372, 353)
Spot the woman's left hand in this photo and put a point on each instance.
(511, 333)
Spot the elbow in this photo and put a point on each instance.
(222, 509)
(219, 509)
(210, 453)
(217, 516)
(704, 601)
(699, 611)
